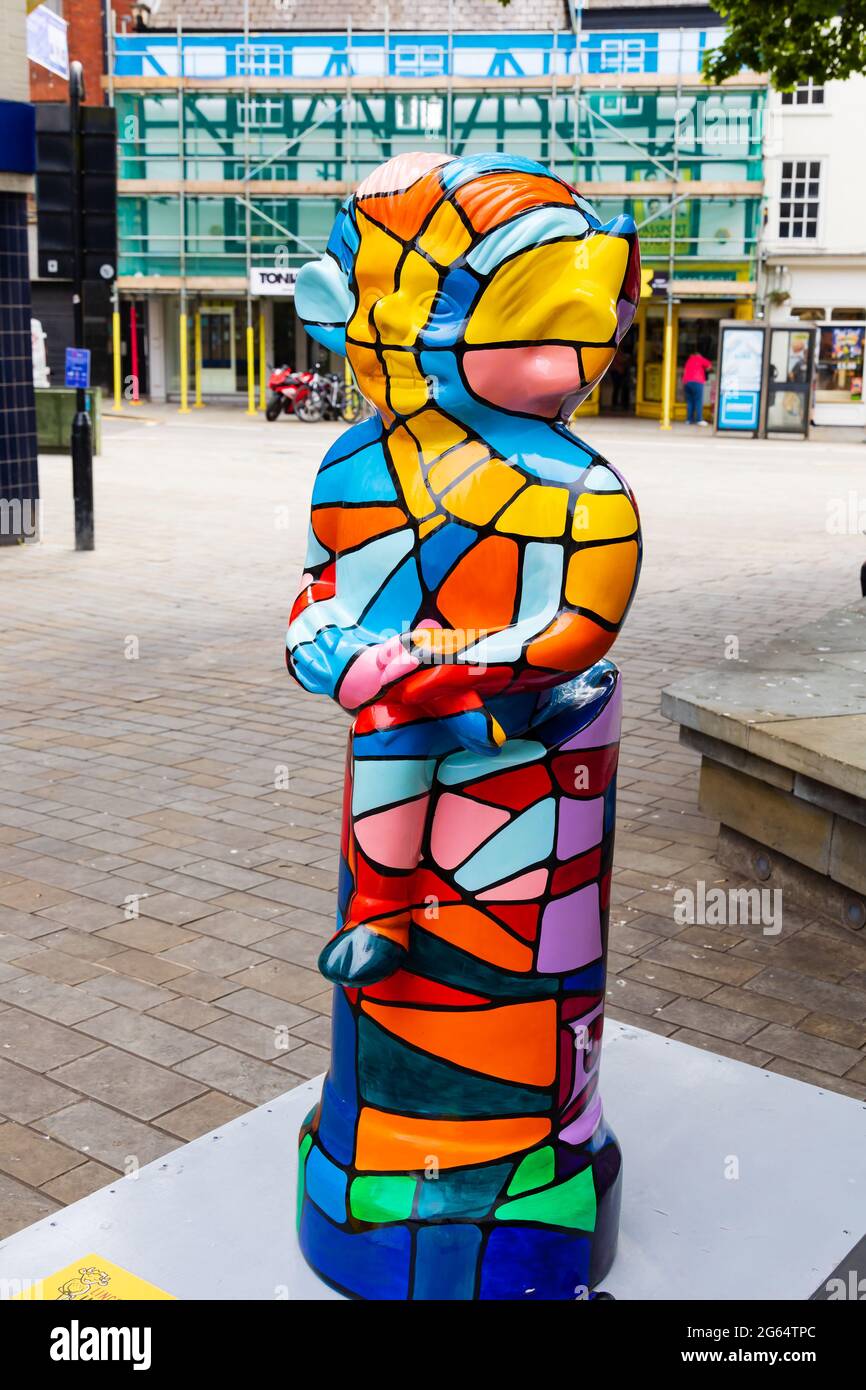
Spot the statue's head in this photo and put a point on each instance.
(478, 282)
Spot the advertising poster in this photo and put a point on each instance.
(740, 372)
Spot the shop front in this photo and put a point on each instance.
(829, 292)
(634, 384)
(839, 382)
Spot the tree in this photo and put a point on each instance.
(790, 40)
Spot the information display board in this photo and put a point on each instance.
(741, 374)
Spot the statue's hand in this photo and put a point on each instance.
(374, 670)
(312, 663)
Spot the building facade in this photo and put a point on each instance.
(241, 130)
(814, 248)
(19, 480)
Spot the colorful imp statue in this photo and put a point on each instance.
(470, 563)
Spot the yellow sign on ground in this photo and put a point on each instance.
(92, 1278)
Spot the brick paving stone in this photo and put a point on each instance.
(651, 1022)
(637, 998)
(676, 982)
(738, 1052)
(25, 1096)
(842, 1001)
(267, 1008)
(91, 947)
(244, 1077)
(144, 1035)
(21, 1205)
(199, 985)
(187, 1013)
(307, 1061)
(285, 981)
(79, 1182)
(203, 1114)
(819, 1053)
(710, 965)
(710, 1019)
(756, 1005)
(59, 966)
(119, 989)
(849, 1085)
(257, 1039)
(238, 928)
(835, 1029)
(142, 965)
(317, 1030)
(144, 934)
(33, 1157)
(107, 1136)
(136, 1087)
(38, 1043)
(218, 957)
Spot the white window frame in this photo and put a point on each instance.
(808, 163)
(791, 100)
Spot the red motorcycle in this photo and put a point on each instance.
(296, 393)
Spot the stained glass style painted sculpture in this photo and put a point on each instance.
(470, 563)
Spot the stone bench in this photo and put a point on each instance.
(782, 738)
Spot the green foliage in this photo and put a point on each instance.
(791, 40)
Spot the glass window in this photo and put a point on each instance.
(807, 93)
(840, 364)
(845, 315)
(812, 314)
(800, 194)
(654, 345)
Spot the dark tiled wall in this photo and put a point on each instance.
(19, 479)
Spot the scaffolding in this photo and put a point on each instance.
(221, 173)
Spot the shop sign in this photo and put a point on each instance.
(272, 280)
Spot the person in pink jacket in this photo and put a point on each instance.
(694, 381)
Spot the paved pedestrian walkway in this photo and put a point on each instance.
(169, 800)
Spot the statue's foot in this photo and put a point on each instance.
(361, 956)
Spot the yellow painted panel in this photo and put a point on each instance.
(408, 388)
(595, 361)
(480, 496)
(538, 511)
(600, 579)
(599, 517)
(446, 237)
(436, 433)
(404, 453)
(444, 473)
(375, 270)
(400, 316)
(565, 291)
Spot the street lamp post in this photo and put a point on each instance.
(82, 431)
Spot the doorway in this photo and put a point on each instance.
(218, 353)
(617, 389)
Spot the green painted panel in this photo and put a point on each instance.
(536, 1170)
(378, 1199)
(571, 1203)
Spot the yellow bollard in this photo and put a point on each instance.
(197, 358)
(115, 347)
(251, 370)
(263, 366)
(184, 368)
(667, 373)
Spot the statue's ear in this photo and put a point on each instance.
(324, 302)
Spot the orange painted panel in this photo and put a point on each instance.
(398, 1143)
(516, 1042)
